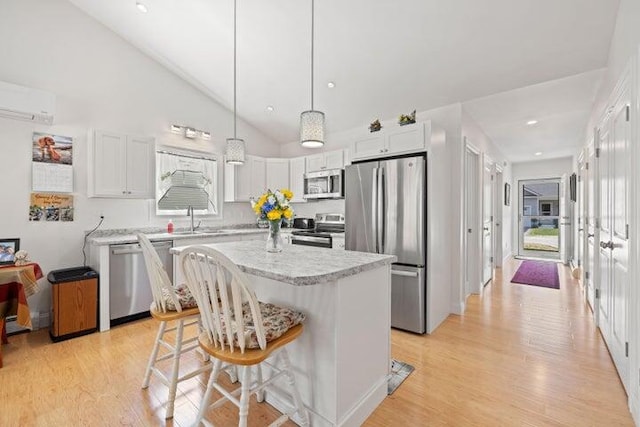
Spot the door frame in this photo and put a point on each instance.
(498, 226)
(522, 253)
(471, 268)
(487, 162)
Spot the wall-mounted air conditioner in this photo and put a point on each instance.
(23, 103)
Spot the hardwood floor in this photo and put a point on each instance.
(521, 355)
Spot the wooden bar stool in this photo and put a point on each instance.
(170, 304)
(241, 331)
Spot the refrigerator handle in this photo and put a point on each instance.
(381, 210)
(374, 208)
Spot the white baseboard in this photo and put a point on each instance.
(634, 408)
(354, 417)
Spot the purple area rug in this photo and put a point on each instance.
(537, 273)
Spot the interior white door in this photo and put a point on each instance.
(487, 224)
(498, 199)
(472, 220)
(591, 267)
(565, 220)
(613, 248)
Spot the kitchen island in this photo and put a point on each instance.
(341, 361)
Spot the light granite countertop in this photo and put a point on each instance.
(129, 236)
(298, 265)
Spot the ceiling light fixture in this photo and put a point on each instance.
(539, 153)
(331, 85)
(312, 121)
(235, 146)
(532, 122)
(141, 7)
(269, 108)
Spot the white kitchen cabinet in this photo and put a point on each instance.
(121, 166)
(394, 141)
(327, 160)
(297, 168)
(242, 182)
(277, 174)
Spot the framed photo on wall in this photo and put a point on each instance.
(8, 249)
(507, 194)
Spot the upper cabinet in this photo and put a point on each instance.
(277, 174)
(259, 174)
(394, 141)
(297, 169)
(328, 160)
(120, 165)
(243, 182)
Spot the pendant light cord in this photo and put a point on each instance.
(235, 14)
(312, 34)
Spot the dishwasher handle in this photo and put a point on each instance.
(136, 249)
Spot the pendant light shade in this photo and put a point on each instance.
(234, 152)
(312, 129)
(312, 121)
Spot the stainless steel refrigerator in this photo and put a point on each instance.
(385, 212)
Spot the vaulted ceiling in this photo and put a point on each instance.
(385, 57)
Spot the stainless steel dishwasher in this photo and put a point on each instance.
(129, 290)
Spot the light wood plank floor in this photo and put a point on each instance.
(520, 356)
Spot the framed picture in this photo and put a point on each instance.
(507, 194)
(8, 249)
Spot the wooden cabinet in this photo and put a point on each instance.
(388, 142)
(297, 169)
(242, 182)
(121, 166)
(75, 308)
(327, 160)
(277, 174)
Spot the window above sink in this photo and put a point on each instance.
(186, 180)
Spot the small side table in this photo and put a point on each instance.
(17, 283)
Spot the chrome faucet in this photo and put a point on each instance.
(190, 213)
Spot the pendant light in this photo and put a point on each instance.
(235, 146)
(312, 121)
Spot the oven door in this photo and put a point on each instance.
(320, 242)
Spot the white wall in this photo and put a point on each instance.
(100, 82)
(540, 169)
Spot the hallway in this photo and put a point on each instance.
(521, 355)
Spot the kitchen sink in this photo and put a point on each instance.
(190, 233)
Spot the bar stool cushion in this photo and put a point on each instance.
(275, 319)
(185, 299)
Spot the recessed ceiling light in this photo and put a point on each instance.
(331, 85)
(539, 153)
(141, 7)
(532, 122)
(269, 108)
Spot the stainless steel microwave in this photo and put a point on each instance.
(326, 184)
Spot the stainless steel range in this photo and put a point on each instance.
(327, 226)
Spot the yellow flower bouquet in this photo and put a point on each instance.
(274, 206)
